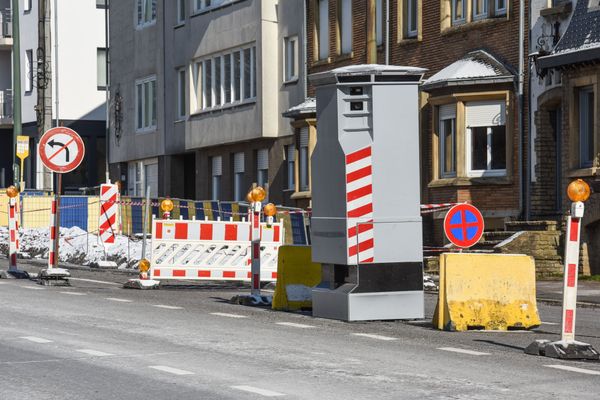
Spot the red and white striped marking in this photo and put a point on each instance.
(255, 231)
(52, 261)
(13, 228)
(210, 273)
(108, 213)
(359, 203)
(216, 231)
(570, 277)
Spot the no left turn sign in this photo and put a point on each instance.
(61, 149)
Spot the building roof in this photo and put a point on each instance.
(581, 40)
(308, 106)
(372, 71)
(476, 67)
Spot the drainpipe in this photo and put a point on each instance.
(107, 54)
(371, 32)
(16, 80)
(387, 32)
(524, 198)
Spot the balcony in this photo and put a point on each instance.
(6, 40)
(6, 108)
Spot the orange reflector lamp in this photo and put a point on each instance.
(258, 194)
(144, 265)
(12, 191)
(578, 190)
(167, 205)
(270, 210)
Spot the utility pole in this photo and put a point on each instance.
(371, 32)
(17, 128)
(44, 79)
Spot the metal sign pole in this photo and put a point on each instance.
(57, 221)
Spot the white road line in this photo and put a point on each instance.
(574, 369)
(371, 336)
(36, 339)
(95, 353)
(463, 351)
(74, 293)
(95, 281)
(550, 323)
(167, 307)
(262, 392)
(32, 287)
(294, 325)
(221, 314)
(119, 300)
(170, 370)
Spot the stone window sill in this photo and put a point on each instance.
(301, 195)
(583, 172)
(474, 181)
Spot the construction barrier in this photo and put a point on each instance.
(296, 276)
(211, 250)
(486, 291)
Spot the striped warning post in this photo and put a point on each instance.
(255, 233)
(108, 225)
(570, 277)
(52, 261)
(359, 203)
(13, 227)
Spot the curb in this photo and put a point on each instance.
(581, 304)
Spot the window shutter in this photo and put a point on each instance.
(238, 163)
(291, 153)
(262, 159)
(447, 111)
(217, 166)
(485, 113)
(304, 136)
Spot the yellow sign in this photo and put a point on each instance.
(22, 147)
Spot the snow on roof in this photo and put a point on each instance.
(306, 107)
(475, 66)
(375, 69)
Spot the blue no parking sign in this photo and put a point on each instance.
(463, 225)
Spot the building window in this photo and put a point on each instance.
(379, 21)
(238, 176)
(459, 11)
(323, 29)
(262, 167)
(412, 18)
(225, 79)
(103, 4)
(486, 138)
(480, 9)
(28, 70)
(290, 156)
(181, 5)
(181, 106)
(26, 6)
(447, 140)
(146, 12)
(586, 127)
(303, 160)
(203, 4)
(101, 79)
(291, 58)
(345, 26)
(500, 7)
(141, 175)
(217, 171)
(145, 103)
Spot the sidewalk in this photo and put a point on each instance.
(588, 292)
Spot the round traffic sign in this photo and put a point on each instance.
(463, 225)
(61, 149)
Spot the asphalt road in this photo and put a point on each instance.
(96, 340)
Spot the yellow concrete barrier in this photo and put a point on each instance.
(296, 276)
(486, 291)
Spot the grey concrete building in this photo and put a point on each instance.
(6, 115)
(199, 88)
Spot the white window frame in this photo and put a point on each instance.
(583, 116)
(201, 5)
(379, 14)
(482, 14)
(26, 6)
(303, 160)
(412, 6)
(28, 71)
(216, 177)
(463, 19)
(238, 175)
(141, 5)
(488, 172)
(181, 94)
(291, 64)
(132, 185)
(500, 10)
(181, 11)
(153, 118)
(442, 145)
(290, 159)
(345, 26)
(101, 68)
(323, 29)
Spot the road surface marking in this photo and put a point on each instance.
(221, 314)
(167, 307)
(95, 281)
(36, 339)
(378, 337)
(550, 323)
(293, 325)
(170, 370)
(119, 300)
(74, 293)
(262, 392)
(2, 283)
(32, 287)
(95, 353)
(463, 351)
(574, 369)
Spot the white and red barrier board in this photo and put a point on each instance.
(211, 250)
(109, 207)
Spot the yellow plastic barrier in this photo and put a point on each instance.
(36, 211)
(3, 209)
(486, 291)
(93, 213)
(296, 276)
